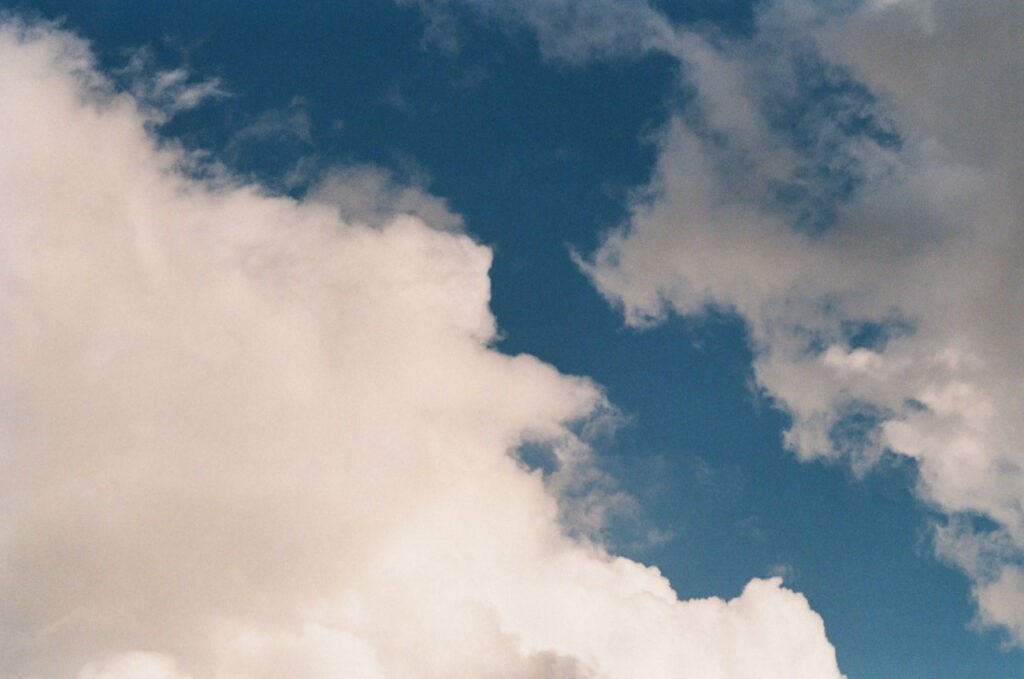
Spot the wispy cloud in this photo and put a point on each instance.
(275, 125)
(165, 93)
(572, 31)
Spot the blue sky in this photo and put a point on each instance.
(758, 239)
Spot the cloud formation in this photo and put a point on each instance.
(245, 438)
(849, 183)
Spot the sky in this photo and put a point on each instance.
(409, 339)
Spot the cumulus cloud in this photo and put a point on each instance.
(850, 184)
(246, 438)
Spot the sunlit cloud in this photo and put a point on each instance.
(244, 436)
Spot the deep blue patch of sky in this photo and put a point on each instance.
(540, 157)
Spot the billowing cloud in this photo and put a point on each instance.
(246, 438)
(851, 185)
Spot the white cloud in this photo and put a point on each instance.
(880, 276)
(244, 438)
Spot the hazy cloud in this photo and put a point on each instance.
(372, 195)
(292, 123)
(570, 30)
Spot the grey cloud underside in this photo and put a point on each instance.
(848, 180)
